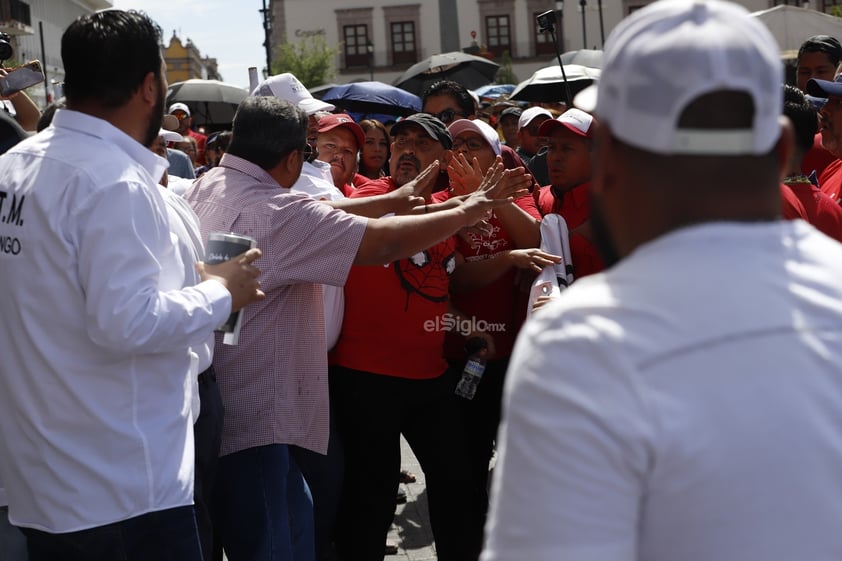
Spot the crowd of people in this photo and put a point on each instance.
(680, 400)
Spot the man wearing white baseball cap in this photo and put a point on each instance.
(662, 410)
(185, 128)
(530, 149)
(569, 161)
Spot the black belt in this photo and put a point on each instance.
(207, 376)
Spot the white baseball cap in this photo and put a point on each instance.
(288, 87)
(527, 116)
(574, 120)
(672, 52)
(478, 126)
(178, 106)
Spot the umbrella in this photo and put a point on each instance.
(319, 91)
(583, 57)
(373, 97)
(210, 101)
(493, 91)
(547, 84)
(469, 70)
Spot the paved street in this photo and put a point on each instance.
(411, 527)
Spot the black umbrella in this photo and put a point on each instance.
(469, 70)
(373, 97)
(211, 102)
(547, 84)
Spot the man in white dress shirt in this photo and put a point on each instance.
(95, 384)
(686, 403)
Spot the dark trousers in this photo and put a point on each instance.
(324, 475)
(263, 506)
(372, 412)
(207, 438)
(165, 535)
(481, 418)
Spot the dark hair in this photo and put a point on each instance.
(822, 44)
(107, 55)
(457, 91)
(803, 116)
(266, 130)
(367, 125)
(219, 140)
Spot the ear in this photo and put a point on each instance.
(149, 89)
(784, 146)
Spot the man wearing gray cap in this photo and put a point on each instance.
(651, 413)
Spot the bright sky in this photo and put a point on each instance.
(230, 32)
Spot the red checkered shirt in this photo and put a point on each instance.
(274, 382)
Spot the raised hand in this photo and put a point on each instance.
(422, 185)
(465, 176)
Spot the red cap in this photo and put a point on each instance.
(330, 122)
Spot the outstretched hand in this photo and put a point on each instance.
(422, 185)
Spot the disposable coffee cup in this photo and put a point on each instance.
(221, 247)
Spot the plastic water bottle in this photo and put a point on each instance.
(475, 349)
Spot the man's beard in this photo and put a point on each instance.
(155, 119)
(601, 235)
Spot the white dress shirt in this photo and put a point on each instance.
(184, 225)
(683, 405)
(316, 181)
(95, 420)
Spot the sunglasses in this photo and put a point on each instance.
(307, 152)
(448, 115)
(180, 115)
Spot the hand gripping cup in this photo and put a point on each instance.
(223, 246)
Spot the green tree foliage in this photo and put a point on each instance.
(505, 74)
(836, 11)
(310, 60)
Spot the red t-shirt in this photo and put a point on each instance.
(830, 181)
(575, 207)
(817, 158)
(496, 303)
(791, 206)
(201, 141)
(821, 211)
(395, 314)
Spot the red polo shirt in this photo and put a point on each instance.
(394, 314)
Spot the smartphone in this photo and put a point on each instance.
(22, 77)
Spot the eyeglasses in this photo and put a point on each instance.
(472, 144)
(447, 116)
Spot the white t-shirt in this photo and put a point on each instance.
(684, 405)
(95, 420)
(313, 182)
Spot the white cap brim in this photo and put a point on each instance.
(314, 105)
(170, 136)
